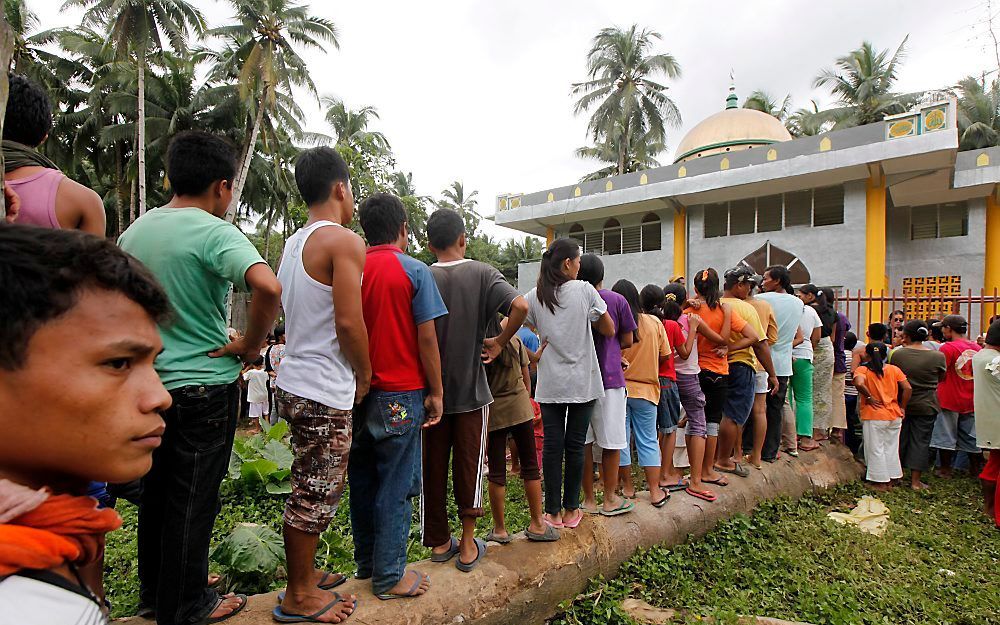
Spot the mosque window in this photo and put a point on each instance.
(576, 233)
(769, 213)
(798, 208)
(828, 206)
(650, 232)
(716, 220)
(938, 221)
(612, 237)
(742, 216)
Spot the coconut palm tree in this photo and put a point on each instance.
(263, 59)
(350, 127)
(455, 198)
(760, 100)
(978, 113)
(641, 156)
(863, 81)
(624, 92)
(807, 122)
(135, 27)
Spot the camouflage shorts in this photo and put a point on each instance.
(321, 442)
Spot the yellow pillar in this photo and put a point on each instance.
(991, 273)
(550, 236)
(680, 242)
(876, 281)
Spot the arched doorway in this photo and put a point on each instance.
(768, 255)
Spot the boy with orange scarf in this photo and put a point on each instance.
(79, 402)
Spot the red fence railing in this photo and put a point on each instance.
(862, 308)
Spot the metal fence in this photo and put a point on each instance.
(863, 308)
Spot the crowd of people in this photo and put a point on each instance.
(399, 378)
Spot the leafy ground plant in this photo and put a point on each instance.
(264, 459)
(935, 564)
(250, 558)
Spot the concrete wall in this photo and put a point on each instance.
(834, 255)
(949, 256)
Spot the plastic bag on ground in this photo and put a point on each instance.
(871, 515)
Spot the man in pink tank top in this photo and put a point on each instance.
(48, 198)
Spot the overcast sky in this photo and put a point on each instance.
(479, 90)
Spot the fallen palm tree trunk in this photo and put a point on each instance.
(523, 583)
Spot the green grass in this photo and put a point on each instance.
(937, 563)
(243, 505)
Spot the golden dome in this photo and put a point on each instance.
(731, 130)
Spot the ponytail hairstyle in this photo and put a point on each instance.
(550, 274)
(877, 355)
(651, 300)
(820, 303)
(706, 284)
(627, 290)
(674, 294)
(831, 297)
(784, 278)
(916, 331)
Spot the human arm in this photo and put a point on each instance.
(12, 203)
(763, 353)
(861, 383)
(605, 326)
(526, 377)
(79, 208)
(798, 337)
(515, 319)
(905, 392)
(430, 360)
(815, 336)
(348, 262)
(748, 338)
(684, 349)
(263, 309)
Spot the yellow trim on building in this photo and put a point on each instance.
(550, 236)
(680, 242)
(991, 263)
(876, 280)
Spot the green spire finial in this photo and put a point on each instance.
(731, 99)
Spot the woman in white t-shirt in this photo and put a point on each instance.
(563, 310)
(800, 386)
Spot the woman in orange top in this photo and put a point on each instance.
(884, 393)
(717, 321)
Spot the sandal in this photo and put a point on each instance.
(662, 502)
(551, 523)
(705, 495)
(574, 524)
(738, 470)
(673, 488)
(746, 459)
(447, 555)
(624, 507)
(409, 594)
(480, 552)
(550, 535)
(493, 538)
(281, 616)
(323, 584)
(720, 481)
(237, 610)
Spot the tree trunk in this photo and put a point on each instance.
(241, 175)
(267, 234)
(131, 203)
(6, 53)
(140, 147)
(120, 186)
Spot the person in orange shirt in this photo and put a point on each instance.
(718, 320)
(884, 393)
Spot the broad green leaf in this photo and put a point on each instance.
(250, 548)
(278, 453)
(235, 465)
(278, 431)
(281, 488)
(257, 470)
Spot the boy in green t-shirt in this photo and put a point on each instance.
(197, 256)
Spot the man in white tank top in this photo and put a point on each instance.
(325, 372)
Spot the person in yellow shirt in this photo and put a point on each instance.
(748, 351)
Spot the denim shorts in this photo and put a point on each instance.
(955, 432)
(668, 411)
(740, 393)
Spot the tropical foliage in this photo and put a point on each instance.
(978, 113)
(625, 92)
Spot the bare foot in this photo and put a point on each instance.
(406, 583)
(537, 527)
(314, 600)
(944, 474)
(919, 485)
(555, 520)
(230, 603)
(573, 517)
(882, 487)
(467, 551)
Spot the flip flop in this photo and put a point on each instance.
(705, 495)
(239, 608)
(673, 488)
(662, 502)
(409, 594)
(328, 585)
(480, 552)
(574, 524)
(738, 470)
(553, 524)
(626, 506)
(493, 538)
(550, 535)
(746, 459)
(594, 510)
(447, 555)
(722, 481)
(281, 616)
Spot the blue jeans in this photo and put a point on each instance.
(640, 422)
(384, 475)
(180, 500)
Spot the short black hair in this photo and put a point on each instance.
(279, 331)
(850, 341)
(316, 171)
(382, 215)
(43, 272)
(196, 159)
(591, 269)
(29, 113)
(444, 227)
(258, 361)
(878, 331)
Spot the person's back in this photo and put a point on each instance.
(642, 375)
(922, 368)
(955, 393)
(256, 380)
(884, 389)
(787, 314)
(48, 198)
(609, 350)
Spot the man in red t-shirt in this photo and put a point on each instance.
(955, 428)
